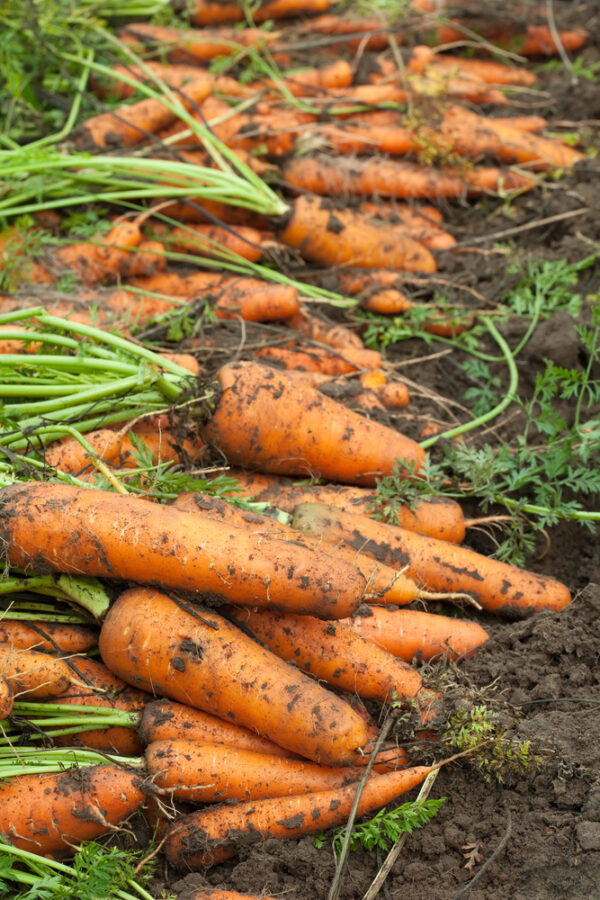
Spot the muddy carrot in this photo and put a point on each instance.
(136, 122)
(330, 652)
(195, 46)
(128, 538)
(409, 633)
(264, 420)
(207, 837)
(148, 259)
(32, 674)
(208, 240)
(6, 697)
(48, 637)
(333, 335)
(331, 236)
(418, 223)
(202, 772)
(196, 657)
(439, 565)
(53, 812)
(317, 359)
(211, 12)
(390, 178)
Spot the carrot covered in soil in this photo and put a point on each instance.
(317, 359)
(439, 565)
(202, 772)
(330, 652)
(264, 420)
(32, 674)
(192, 45)
(210, 12)
(48, 637)
(128, 538)
(331, 236)
(6, 698)
(49, 813)
(210, 836)
(410, 633)
(197, 657)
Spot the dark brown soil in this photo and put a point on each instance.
(538, 835)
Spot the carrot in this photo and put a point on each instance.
(210, 12)
(533, 40)
(419, 224)
(394, 394)
(148, 259)
(317, 359)
(389, 178)
(196, 46)
(104, 689)
(97, 260)
(209, 210)
(383, 584)
(409, 633)
(6, 698)
(487, 70)
(44, 636)
(331, 236)
(427, 79)
(226, 895)
(125, 537)
(439, 517)
(524, 123)
(53, 812)
(202, 772)
(264, 420)
(136, 122)
(208, 240)
(371, 33)
(439, 565)
(34, 674)
(196, 657)
(210, 836)
(330, 652)
(336, 336)
(164, 720)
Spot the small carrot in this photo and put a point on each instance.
(148, 259)
(210, 836)
(316, 329)
(33, 674)
(47, 637)
(128, 538)
(210, 12)
(331, 236)
(196, 657)
(439, 565)
(194, 46)
(317, 359)
(417, 221)
(49, 813)
(209, 240)
(410, 634)
(226, 895)
(264, 420)
(330, 652)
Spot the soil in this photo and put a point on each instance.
(536, 835)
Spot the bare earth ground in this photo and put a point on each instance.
(538, 837)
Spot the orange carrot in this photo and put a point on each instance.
(489, 71)
(208, 240)
(336, 336)
(202, 772)
(420, 224)
(330, 652)
(132, 124)
(125, 537)
(209, 836)
(97, 260)
(439, 565)
(438, 517)
(53, 812)
(389, 178)
(409, 633)
(531, 41)
(196, 46)
(264, 420)
(307, 82)
(6, 698)
(225, 895)
(164, 720)
(196, 657)
(32, 674)
(47, 637)
(371, 33)
(148, 259)
(211, 12)
(317, 359)
(331, 236)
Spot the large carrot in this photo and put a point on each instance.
(266, 421)
(197, 657)
(331, 652)
(210, 836)
(331, 236)
(390, 178)
(202, 772)
(497, 586)
(53, 812)
(410, 633)
(126, 537)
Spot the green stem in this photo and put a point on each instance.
(508, 398)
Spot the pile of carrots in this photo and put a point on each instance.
(238, 652)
